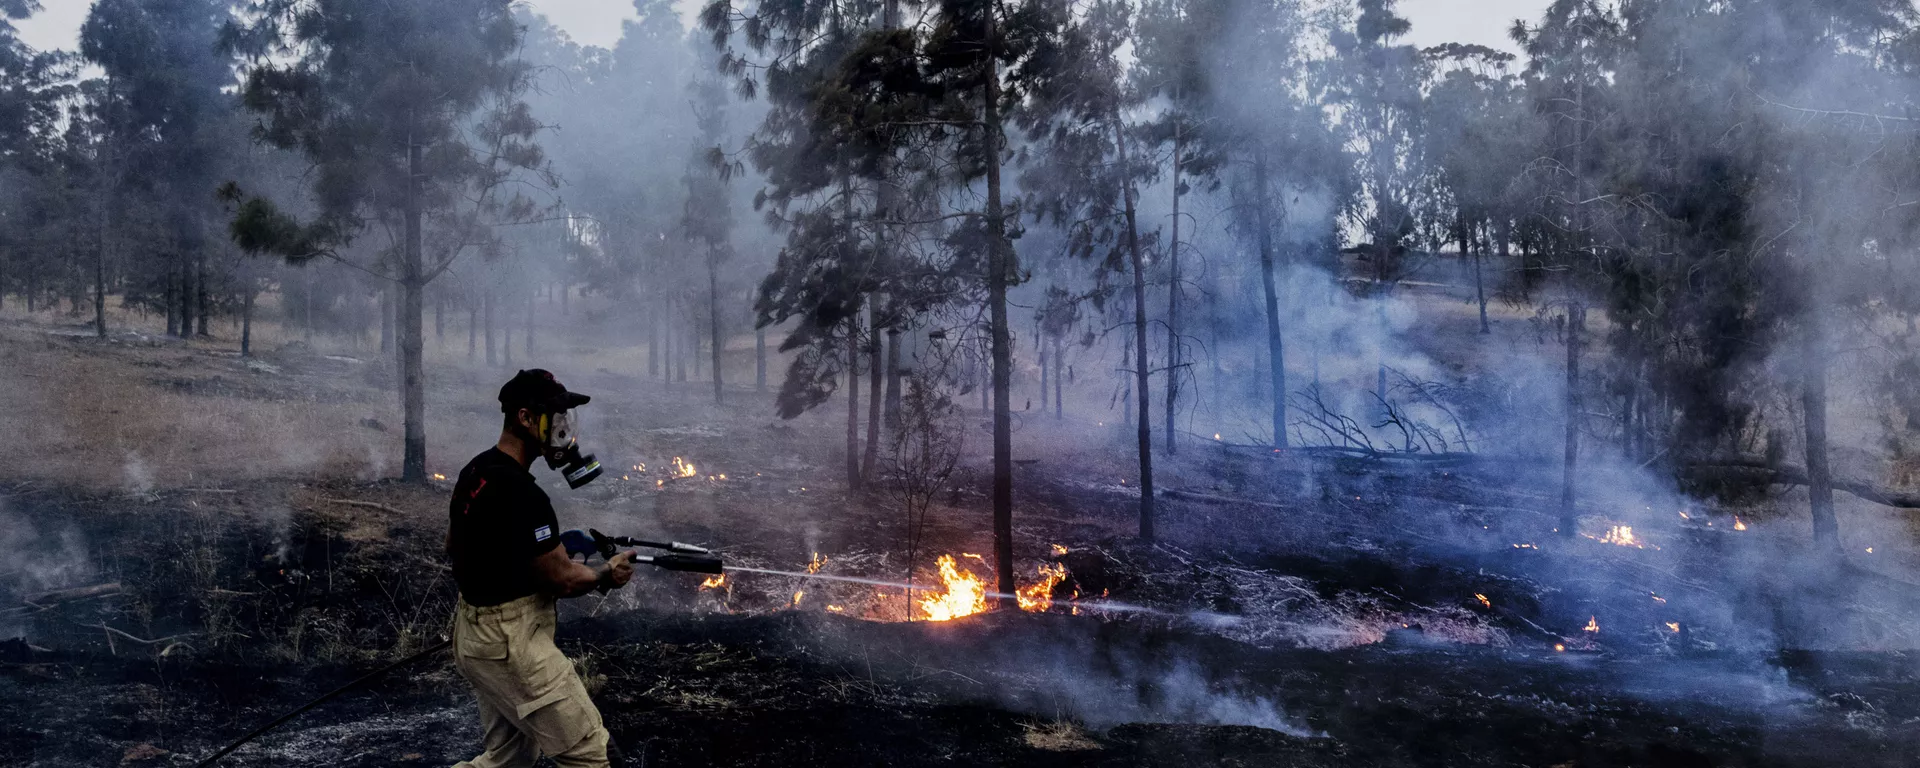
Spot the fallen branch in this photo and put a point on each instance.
(1788, 474)
(49, 599)
(141, 640)
(1174, 493)
(367, 504)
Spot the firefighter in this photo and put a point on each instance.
(504, 542)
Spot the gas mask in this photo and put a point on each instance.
(561, 447)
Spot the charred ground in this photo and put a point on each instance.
(1361, 613)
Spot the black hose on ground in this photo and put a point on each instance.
(277, 722)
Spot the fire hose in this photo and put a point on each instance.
(679, 557)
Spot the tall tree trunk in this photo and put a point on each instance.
(653, 339)
(713, 317)
(999, 270)
(201, 295)
(1576, 328)
(1046, 365)
(760, 359)
(1480, 290)
(1813, 401)
(874, 382)
(853, 328)
(386, 316)
(486, 321)
(1059, 373)
(189, 288)
(565, 289)
(1276, 353)
(186, 291)
(440, 321)
(172, 291)
(893, 378)
(1173, 301)
(680, 347)
(246, 320)
(1143, 368)
(506, 334)
(669, 344)
(473, 328)
(886, 202)
(100, 270)
(529, 348)
(412, 376)
(853, 401)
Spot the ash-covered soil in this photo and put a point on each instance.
(253, 614)
(1299, 609)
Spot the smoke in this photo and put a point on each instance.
(1180, 691)
(136, 477)
(40, 559)
(1098, 673)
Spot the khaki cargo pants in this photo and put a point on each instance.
(531, 700)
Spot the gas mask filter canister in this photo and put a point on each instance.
(562, 450)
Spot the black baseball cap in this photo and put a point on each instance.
(537, 390)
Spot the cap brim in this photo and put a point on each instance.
(574, 399)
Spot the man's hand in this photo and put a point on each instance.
(620, 569)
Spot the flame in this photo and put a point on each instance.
(1059, 549)
(438, 476)
(1869, 550)
(1559, 648)
(1685, 516)
(1657, 598)
(835, 608)
(1524, 546)
(1216, 436)
(1038, 596)
(1673, 626)
(814, 565)
(983, 561)
(962, 594)
(796, 597)
(717, 581)
(1483, 599)
(1738, 524)
(683, 468)
(1593, 624)
(1620, 535)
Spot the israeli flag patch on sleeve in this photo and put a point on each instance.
(543, 533)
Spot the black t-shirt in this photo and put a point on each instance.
(500, 521)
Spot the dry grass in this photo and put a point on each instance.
(1057, 736)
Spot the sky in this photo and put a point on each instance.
(597, 22)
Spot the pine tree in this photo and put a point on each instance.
(410, 112)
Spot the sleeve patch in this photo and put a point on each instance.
(543, 533)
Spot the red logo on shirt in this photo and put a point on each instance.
(468, 507)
